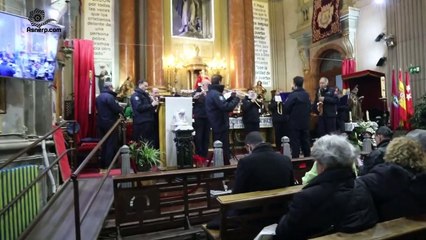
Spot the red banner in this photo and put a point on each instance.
(402, 105)
(409, 100)
(395, 103)
(325, 19)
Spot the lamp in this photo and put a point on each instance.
(171, 65)
(388, 39)
(381, 61)
(216, 65)
(379, 37)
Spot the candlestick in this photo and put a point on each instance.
(383, 86)
(350, 116)
(367, 115)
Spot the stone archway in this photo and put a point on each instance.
(326, 62)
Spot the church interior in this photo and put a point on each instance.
(132, 119)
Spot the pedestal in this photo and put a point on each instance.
(184, 148)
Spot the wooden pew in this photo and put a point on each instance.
(255, 210)
(176, 199)
(301, 166)
(397, 229)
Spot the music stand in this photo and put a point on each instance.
(284, 96)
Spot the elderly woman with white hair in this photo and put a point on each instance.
(331, 201)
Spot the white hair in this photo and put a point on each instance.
(325, 79)
(333, 151)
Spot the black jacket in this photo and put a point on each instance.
(108, 109)
(330, 202)
(330, 102)
(263, 169)
(250, 111)
(143, 111)
(397, 192)
(298, 107)
(217, 108)
(199, 105)
(277, 116)
(375, 157)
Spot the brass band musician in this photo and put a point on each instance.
(325, 106)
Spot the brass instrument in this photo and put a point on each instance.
(280, 108)
(320, 105)
(240, 94)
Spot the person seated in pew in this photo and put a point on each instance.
(382, 137)
(332, 201)
(398, 185)
(263, 169)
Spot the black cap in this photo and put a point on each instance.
(254, 138)
(385, 132)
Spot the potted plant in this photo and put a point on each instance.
(144, 155)
(419, 118)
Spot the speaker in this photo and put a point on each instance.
(381, 61)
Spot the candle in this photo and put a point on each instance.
(367, 115)
(350, 116)
(383, 86)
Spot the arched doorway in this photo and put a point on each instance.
(330, 65)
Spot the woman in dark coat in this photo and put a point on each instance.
(332, 201)
(398, 185)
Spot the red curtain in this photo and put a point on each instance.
(348, 67)
(84, 87)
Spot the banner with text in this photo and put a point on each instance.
(262, 43)
(98, 26)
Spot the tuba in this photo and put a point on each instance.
(320, 105)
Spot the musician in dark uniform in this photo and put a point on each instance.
(325, 106)
(252, 106)
(279, 119)
(201, 122)
(298, 107)
(143, 114)
(217, 109)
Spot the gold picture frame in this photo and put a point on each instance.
(2, 96)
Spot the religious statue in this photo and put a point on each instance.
(180, 121)
(260, 90)
(355, 103)
(126, 90)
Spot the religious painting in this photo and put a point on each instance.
(192, 19)
(325, 19)
(2, 95)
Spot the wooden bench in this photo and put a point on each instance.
(301, 166)
(176, 199)
(254, 211)
(401, 229)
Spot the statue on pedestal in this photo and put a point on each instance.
(355, 103)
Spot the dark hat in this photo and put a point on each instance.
(385, 132)
(254, 138)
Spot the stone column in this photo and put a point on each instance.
(127, 39)
(242, 43)
(154, 49)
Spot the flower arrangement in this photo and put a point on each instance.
(362, 130)
(144, 155)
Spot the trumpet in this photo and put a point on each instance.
(239, 94)
(320, 105)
